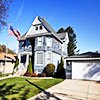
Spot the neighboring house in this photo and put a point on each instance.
(84, 66)
(7, 62)
(42, 45)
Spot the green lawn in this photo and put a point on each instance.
(23, 88)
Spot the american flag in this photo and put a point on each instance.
(14, 32)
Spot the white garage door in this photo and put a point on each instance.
(86, 70)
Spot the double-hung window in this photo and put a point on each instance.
(40, 58)
(48, 57)
(49, 42)
(39, 41)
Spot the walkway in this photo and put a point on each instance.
(1, 78)
(71, 90)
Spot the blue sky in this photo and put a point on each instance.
(82, 15)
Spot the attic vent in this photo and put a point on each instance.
(40, 27)
(36, 28)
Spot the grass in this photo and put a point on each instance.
(23, 88)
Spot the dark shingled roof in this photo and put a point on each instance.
(48, 27)
(87, 55)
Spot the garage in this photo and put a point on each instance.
(85, 66)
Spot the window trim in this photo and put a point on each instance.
(50, 58)
(49, 40)
(37, 57)
(39, 41)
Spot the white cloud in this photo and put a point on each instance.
(19, 12)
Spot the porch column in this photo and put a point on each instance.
(27, 60)
(19, 57)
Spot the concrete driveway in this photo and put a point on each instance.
(71, 90)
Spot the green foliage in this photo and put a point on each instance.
(30, 67)
(49, 69)
(16, 64)
(60, 69)
(61, 30)
(1, 74)
(23, 88)
(72, 40)
(3, 49)
(61, 65)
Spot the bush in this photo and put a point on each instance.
(49, 69)
(1, 74)
(27, 74)
(42, 75)
(33, 75)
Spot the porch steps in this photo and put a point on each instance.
(21, 71)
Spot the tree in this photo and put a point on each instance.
(72, 40)
(16, 65)
(4, 8)
(3, 49)
(61, 30)
(30, 67)
(60, 69)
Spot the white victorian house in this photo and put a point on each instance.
(42, 45)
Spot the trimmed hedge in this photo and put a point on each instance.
(49, 69)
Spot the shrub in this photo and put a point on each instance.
(39, 75)
(42, 75)
(29, 69)
(16, 64)
(49, 69)
(60, 69)
(1, 74)
(27, 74)
(33, 75)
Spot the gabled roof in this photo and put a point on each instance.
(48, 28)
(87, 55)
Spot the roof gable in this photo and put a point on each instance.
(46, 28)
(36, 21)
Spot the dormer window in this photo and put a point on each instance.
(41, 27)
(36, 28)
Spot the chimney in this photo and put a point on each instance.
(96, 51)
(43, 18)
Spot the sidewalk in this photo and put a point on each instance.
(1, 78)
(71, 90)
